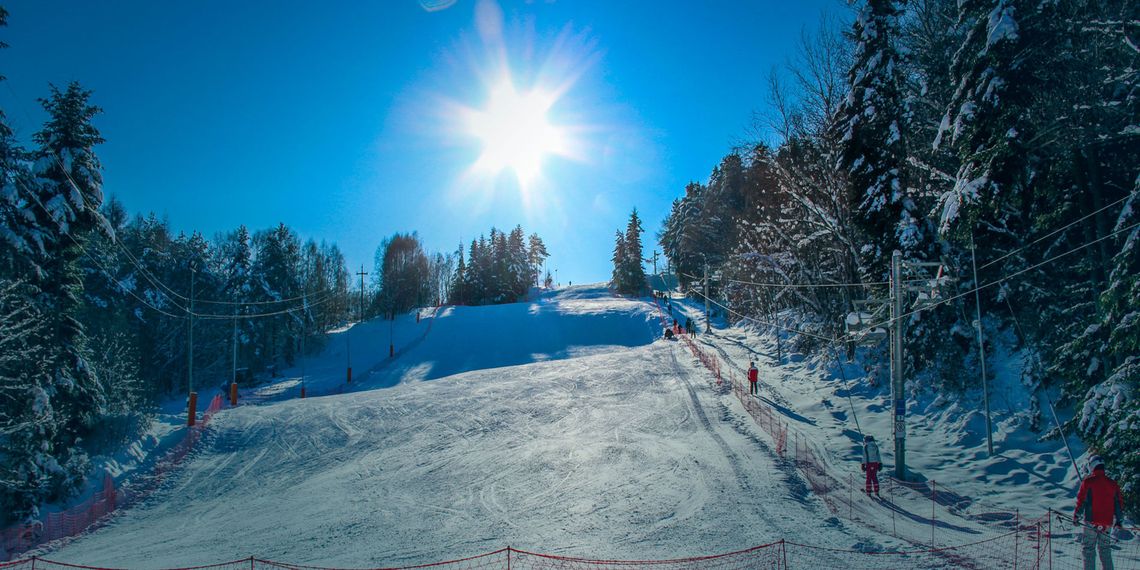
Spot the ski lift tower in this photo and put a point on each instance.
(862, 330)
(927, 296)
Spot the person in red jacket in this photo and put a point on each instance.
(753, 379)
(1100, 505)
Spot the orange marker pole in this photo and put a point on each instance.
(233, 394)
(192, 409)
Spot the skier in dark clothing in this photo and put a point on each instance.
(1100, 504)
(753, 379)
(872, 462)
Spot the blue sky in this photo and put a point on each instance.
(345, 120)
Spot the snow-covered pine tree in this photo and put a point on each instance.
(458, 293)
(1110, 415)
(29, 424)
(20, 237)
(618, 277)
(234, 260)
(68, 187)
(518, 263)
(635, 281)
(872, 129)
(276, 263)
(537, 255)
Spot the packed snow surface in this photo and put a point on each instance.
(573, 430)
(563, 425)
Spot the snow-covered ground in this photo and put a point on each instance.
(562, 425)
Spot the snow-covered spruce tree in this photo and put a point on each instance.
(518, 264)
(68, 185)
(618, 276)
(20, 239)
(457, 295)
(629, 274)
(1110, 416)
(684, 237)
(276, 262)
(871, 122)
(29, 424)
(536, 255)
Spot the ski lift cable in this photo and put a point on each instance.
(154, 281)
(847, 383)
(1056, 231)
(795, 285)
(106, 272)
(321, 300)
(835, 354)
(168, 291)
(1048, 401)
(758, 321)
(1010, 276)
(807, 285)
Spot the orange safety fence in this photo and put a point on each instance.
(78, 518)
(1033, 548)
(844, 494)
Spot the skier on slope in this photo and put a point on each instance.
(1099, 502)
(753, 379)
(872, 462)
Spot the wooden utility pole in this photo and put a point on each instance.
(192, 397)
(708, 327)
(982, 351)
(190, 352)
(362, 274)
(898, 393)
(348, 334)
(234, 368)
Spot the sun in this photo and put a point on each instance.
(515, 132)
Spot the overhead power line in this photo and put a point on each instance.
(1012, 275)
(794, 285)
(1056, 231)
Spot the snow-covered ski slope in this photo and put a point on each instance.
(562, 425)
(559, 425)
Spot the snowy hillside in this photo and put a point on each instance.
(562, 425)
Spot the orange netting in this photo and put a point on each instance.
(70, 522)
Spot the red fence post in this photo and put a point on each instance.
(191, 409)
(1016, 534)
(933, 486)
(1050, 541)
(891, 494)
(851, 496)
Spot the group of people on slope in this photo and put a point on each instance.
(677, 329)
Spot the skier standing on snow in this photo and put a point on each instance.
(872, 462)
(1099, 502)
(753, 379)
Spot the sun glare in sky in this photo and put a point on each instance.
(515, 132)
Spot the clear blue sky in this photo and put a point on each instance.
(344, 120)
